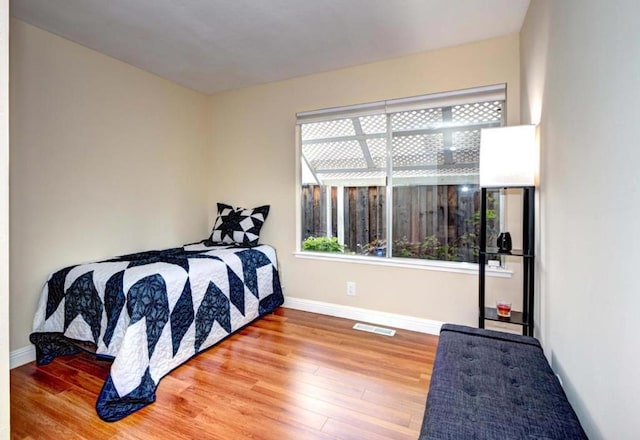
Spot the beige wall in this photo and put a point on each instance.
(253, 162)
(581, 81)
(105, 159)
(4, 219)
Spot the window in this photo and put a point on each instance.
(398, 179)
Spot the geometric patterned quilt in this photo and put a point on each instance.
(152, 311)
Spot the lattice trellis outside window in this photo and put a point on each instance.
(426, 143)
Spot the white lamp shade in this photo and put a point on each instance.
(508, 156)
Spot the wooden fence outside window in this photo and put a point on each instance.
(429, 221)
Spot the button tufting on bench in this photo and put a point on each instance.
(471, 391)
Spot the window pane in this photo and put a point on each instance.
(435, 171)
(434, 194)
(344, 168)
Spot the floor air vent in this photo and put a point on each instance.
(373, 329)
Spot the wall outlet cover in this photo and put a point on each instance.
(351, 288)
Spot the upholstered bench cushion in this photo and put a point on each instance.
(494, 385)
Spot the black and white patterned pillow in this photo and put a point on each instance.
(238, 225)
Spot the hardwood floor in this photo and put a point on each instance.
(290, 375)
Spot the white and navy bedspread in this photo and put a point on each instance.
(150, 312)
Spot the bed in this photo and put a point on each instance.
(150, 312)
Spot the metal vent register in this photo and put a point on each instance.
(374, 329)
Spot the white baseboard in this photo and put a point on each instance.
(22, 356)
(405, 322)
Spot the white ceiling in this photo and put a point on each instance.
(215, 45)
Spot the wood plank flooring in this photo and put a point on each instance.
(290, 375)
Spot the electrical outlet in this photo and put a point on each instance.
(351, 288)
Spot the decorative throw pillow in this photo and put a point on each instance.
(239, 225)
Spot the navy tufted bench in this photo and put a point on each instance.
(493, 385)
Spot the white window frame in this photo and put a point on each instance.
(496, 92)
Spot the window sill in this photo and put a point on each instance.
(442, 266)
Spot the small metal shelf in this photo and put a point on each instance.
(523, 318)
(517, 318)
(512, 253)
